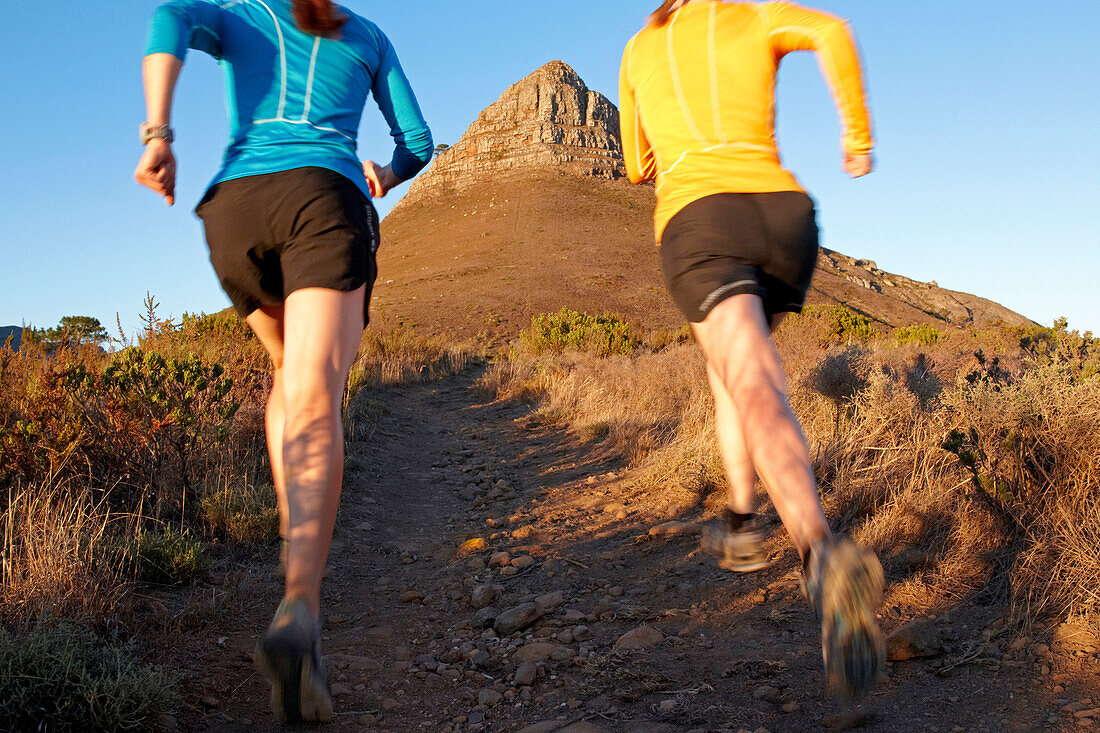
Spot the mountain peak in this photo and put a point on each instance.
(550, 119)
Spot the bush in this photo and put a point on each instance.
(841, 325)
(570, 330)
(921, 335)
(246, 515)
(57, 675)
(166, 557)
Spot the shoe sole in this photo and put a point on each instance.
(851, 642)
(297, 695)
(745, 564)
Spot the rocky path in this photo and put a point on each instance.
(490, 573)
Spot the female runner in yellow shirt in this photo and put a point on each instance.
(738, 242)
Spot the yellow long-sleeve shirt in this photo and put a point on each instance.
(697, 97)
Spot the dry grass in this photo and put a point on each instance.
(1021, 526)
(59, 555)
(113, 478)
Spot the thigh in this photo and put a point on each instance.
(267, 323)
(736, 340)
(321, 335)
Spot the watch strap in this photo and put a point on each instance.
(151, 132)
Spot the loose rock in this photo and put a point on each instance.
(918, 639)
(483, 595)
(516, 619)
(526, 674)
(671, 529)
(639, 638)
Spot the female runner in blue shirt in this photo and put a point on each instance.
(292, 236)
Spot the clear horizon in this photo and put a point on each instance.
(985, 115)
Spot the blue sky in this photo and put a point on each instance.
(986, 114)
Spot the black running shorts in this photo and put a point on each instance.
(275, 233)
(728, 244)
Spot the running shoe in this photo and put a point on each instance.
(740, 550)
(289, 655)
(844, 584)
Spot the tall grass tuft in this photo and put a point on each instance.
(970, 460)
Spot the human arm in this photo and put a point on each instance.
(157, 168)
(175, 27)
(796, 28)
(641, 163)
(410, 132)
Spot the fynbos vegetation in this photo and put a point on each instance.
(119, 471)
(979, 448)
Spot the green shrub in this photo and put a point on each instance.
(167, 556)
(843, 325)
(570, 330)
(922, 335)
(60, 676)
(247, 514)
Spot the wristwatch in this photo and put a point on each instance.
(150, 132)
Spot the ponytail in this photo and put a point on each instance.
(661, 15)
(318, 17)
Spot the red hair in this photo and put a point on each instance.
(661, 15)
(318, 17)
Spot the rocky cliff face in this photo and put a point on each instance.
(550, 119)
(526, 239)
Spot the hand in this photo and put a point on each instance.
(157, 169)
(858, 165)
(380, 179)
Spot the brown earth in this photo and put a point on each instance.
(433, 465)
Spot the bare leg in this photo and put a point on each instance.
(267, 323)
(736, 339)
(322, 332)
(740, 473)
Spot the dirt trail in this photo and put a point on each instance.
(410, 647)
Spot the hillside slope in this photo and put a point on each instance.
(529, 212)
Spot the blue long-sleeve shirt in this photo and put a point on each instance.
(294, 99)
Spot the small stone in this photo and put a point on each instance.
(516, 619)
(526, 674)
(672, 529)
(523, 562)
(482, 595)
(546, 726)
(547, 602)
(508, 571)
(667, 706)
(389, 705)
(767, 693)
(470, 547)
(485, 618)
(639, 638)
(613, 508)
(791, 707)
(339, 689)
(523, 533)
(543, 652)
(582, 633)
(210, 702)
(499, 559)
(412, 596)
(489, 697)
(918, 639)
